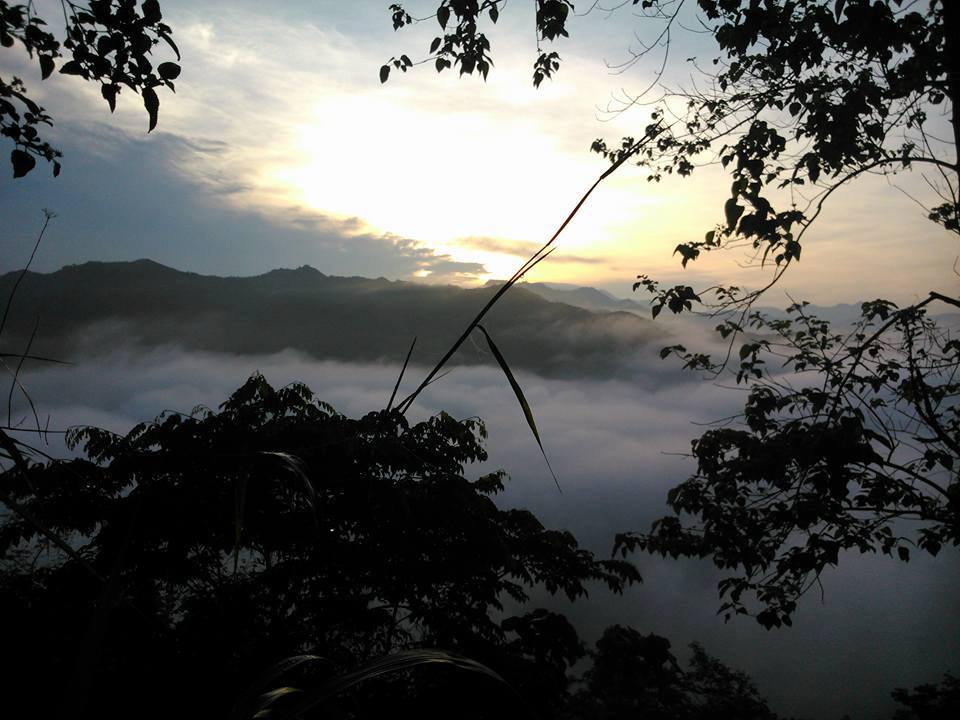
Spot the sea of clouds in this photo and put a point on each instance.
(617, 447)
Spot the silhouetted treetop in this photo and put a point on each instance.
(217, 543)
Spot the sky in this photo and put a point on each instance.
(281, 148)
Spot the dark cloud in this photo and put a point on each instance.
(618, 447)
(185, 213)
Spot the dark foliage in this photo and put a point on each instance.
(109, 42)
(635, 675)
(225, 541)
(801, 98)
(933, 701)
(849, 440)
(850, 433)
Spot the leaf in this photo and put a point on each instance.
(46, 66)
(168, 70)
(72, 67)
(384, 73)
(443, 16)
(494, 14)
(151, 11)
(733, 211)
(434, 45)
(109, 93)
(903, 553)
(171, 43)
(152, 103)
(525, 406)
(22, 163)
(813, 167)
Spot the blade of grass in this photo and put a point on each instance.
(524, 405)
(651, 133)
(39, 358)
(396, 387)
(48, 216)
(389, 664)
(10, 446)
(239, 505)
(256, 700)
(15, 382)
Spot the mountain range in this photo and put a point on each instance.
(97, 308)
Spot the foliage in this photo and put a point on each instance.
(110, 42)
(852, 433)
(802, 97)
(929, 701)
(849, 440)
(635, 675)
(224, 541)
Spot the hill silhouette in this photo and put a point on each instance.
(100, 307)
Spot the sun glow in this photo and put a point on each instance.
(435, 177)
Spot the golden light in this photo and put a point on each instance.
(435, 177)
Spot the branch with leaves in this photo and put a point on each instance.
(110, 42)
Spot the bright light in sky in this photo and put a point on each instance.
(438, 173)
(442, 177)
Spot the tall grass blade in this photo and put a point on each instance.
(651, 133)
(9, 445)
(296, 466)
(524, 405)
(38, 358)
(386, 665)
(256, 701)
(239, 506)
(396, 387)
(48, 216)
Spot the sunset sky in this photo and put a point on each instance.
(281, 147)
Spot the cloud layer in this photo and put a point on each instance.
(882, 624)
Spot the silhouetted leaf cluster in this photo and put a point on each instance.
(110, 42)
(845, 436)
(801, 98)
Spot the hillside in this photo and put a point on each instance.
(97, 308)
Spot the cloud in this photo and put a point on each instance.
(522, 249)
(617, 446)
(186, 209)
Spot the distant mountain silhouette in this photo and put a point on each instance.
(97, 308)
(588, 298)
(597, 300)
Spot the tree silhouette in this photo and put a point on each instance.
(854, 430)
(110, 42)
(636, 675)
(207, 547)
(802, 98)
(932, 701)
(849, 440)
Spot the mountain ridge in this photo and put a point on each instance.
(96, 308)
